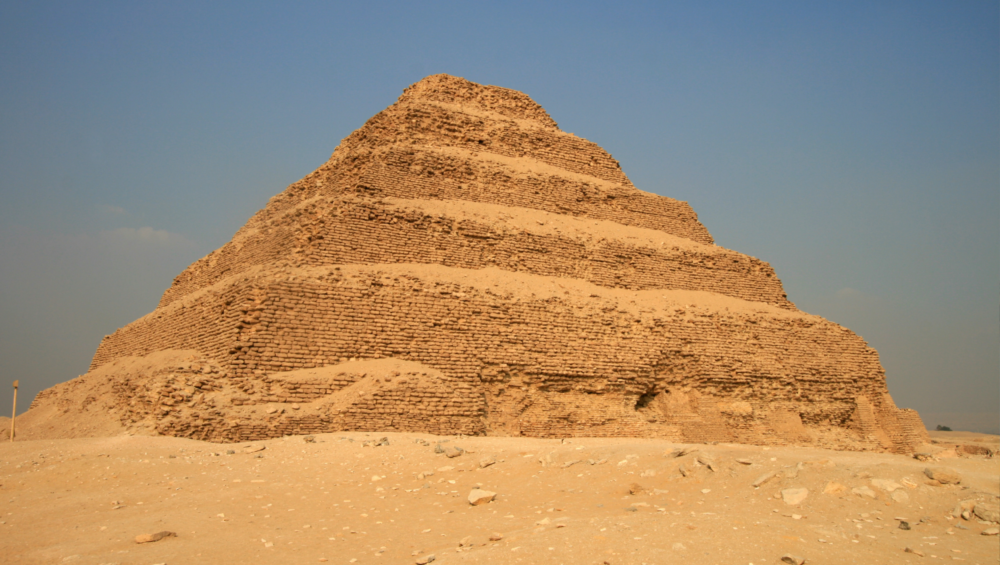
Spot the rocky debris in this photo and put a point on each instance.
(904, 525)
(834, 487)
(149, 538)
(792, 559)
(496, 536)
(570, 463)
(425, 559)
(487, 461)
(991, 531)
(707, 461)
(886, 484)
(683, 470)
(682, 451)
(479, 497)
(925, 456)
(963, 508)
(465, 542)
(989, 512)
(864, 491)
(309, 439)
(914, 551)
(794, 496)
(636, 488)
(943, 476)
(764, 478)
(744, 462)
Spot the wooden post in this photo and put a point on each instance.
(14, 414)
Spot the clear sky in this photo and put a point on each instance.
(853, 145)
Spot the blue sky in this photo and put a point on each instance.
(853, 145)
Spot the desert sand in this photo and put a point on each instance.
(343, 498)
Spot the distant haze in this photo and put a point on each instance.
(854, 146)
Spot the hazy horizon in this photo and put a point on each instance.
(853, 146)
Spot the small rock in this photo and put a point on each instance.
(900, 497)
(988, 512)
(684, 470)
(793, 496)
(704, 460)
(943, 476)
(309, 439)
(886, 484)
(438, 448)
(384, 442)
(487, 461)
(636, 488)
(479, 497)
(904, 525)
(914, 551)
(924, 456)
(864, 491)
(681, 452)
(147, 538)
(467, 540)
(744, 462)
(991, 531)
(792, 559)
(833, 487)
(452, 452)
(254, 448)
(497, 536)
(763, 479)
(425, 559)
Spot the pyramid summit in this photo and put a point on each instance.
(461, 265)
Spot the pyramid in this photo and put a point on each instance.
(460, 265)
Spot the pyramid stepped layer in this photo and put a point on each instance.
(462, 266)
(344, 230)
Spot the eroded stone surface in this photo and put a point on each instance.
(460, 265)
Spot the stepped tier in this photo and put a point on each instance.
(460, 265)
(347, 229)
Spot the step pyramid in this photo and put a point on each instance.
(460, 265)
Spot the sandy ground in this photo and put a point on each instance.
(341, 499)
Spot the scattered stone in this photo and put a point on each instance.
(764, 478)
(886, 484)
(452, 452)
(904, 525)
(908, 482)
(744, 462)
(943, 476)
(987, 511)
(497, 536)
(148, 538)
(636, 488)
(425, 559)
(706, 461)
(684, 471)
(681, 452)
(479, 497)
(384, 442)
(487, 461)
(991, 531)
(864, 491)
(570, 463)
(794, 496)
(833, 487)
(792, 559)
(309, 439)
(466, 541)
(914, 551)
(924, 456)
